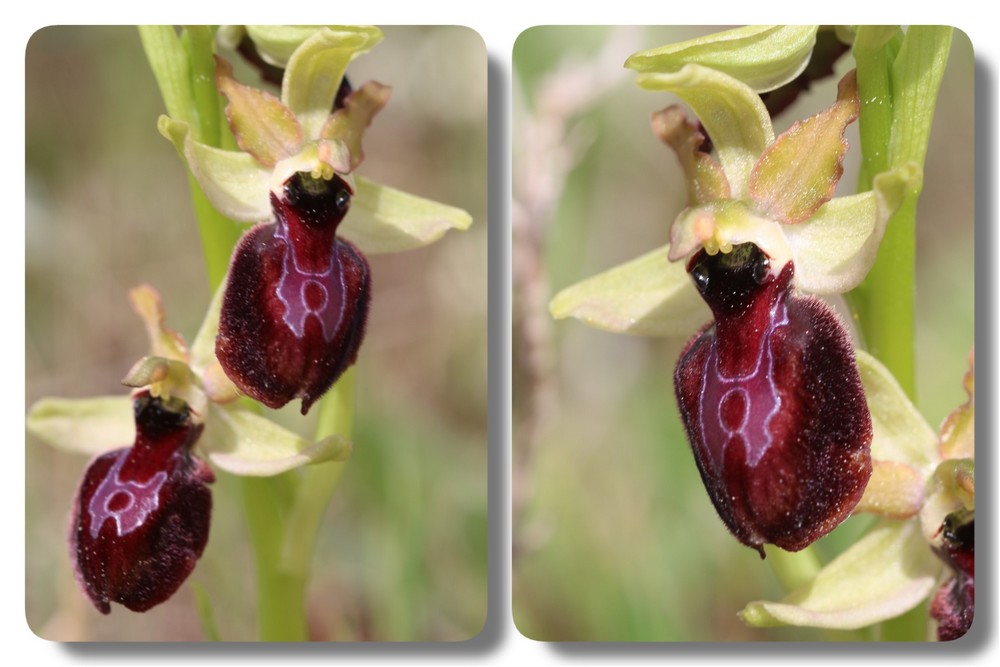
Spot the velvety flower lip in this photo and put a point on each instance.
(141, 516)
(772, 404)
(296, 300)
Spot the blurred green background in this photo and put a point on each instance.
(402, 551)
(615, 538)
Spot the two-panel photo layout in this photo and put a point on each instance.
(737, 395)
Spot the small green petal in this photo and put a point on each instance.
(87, 426)
(958, 429)
(835, 249)
(705, 178)
(763, 57)
(320, 159)
(277, 43)
(383, 219)
(895, 491)
(349, 124)
(799, 172)
(262, 125)
(233, 181)
(720, 225)
(648, 296)
(168, 378)
(163, 341)
(732, 113)
(217, 385)
(883, 575)
(203, 347)
(952, 487)
(315, 69)
(244, 443)
(899, 431)
(150, 370)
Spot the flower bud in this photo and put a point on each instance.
(772, 404)
(954, 604)
(294, 311)
(141, 515)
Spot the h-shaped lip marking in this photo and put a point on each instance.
(716, 388)
(297, 309)
(143, 499)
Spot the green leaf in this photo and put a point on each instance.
(383, 219)
(244, 443)
(763, 57)
(900, 433)
(886, 573)
(169, 61)
(916, 78)
(315, 69)
(732, 113)
(87, 426)
(648, 296)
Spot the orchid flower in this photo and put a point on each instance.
(768, 392)
(298, 133)
(774, 192)
(142, 513)
(236, 439)
(299, 286)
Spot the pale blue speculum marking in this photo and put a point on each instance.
(308, 294)
(756, 390)
(140, 500)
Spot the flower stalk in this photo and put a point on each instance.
(898, 80)
(283, 513)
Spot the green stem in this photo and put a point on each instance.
(283, 513)
(336, 417)
(281, 610)
(793, 569)
(219, 235)
(898, 81)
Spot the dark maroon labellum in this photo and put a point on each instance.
(141, 515)
(954, 605)
(772, 404)
(294, 311)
